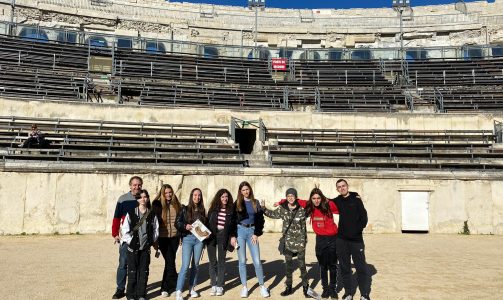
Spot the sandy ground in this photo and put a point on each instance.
(404, 266)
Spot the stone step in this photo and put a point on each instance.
(255, 160)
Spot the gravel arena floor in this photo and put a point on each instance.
(404, 266)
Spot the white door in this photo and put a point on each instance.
(415, 211)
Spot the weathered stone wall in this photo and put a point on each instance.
(49, 197)
(53, 202)
(94, 111)
(440, 25)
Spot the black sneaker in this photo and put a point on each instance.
(288, 291)
(347, 297)
(365, 297)
(118, 294)
(325, 294)
(333, 294)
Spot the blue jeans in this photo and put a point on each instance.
(122, 268)
(192, 249)
(245, 238)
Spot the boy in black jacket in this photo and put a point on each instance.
(352, 221)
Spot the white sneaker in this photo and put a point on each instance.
(220, 291)
(213, 291)
(264, 292)
(164, 294)
(179, 295)
(244, 292)
(193, 294)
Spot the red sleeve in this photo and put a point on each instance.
(116, 223)
(333, 207)
(302, 203)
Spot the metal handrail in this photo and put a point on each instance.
(439, 100)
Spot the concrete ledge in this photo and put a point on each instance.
(30, 166)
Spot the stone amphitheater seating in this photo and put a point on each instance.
(380, 98)
(189, 80)
(193, 68)
(50, 56)
(465, 84)
(39, 83)
(339, 73)
(468, 98)
(411, 149)
(457, 72)
(113, 142)
(181, 93)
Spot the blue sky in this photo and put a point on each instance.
(324, 3)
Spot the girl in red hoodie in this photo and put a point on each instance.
(321, 211)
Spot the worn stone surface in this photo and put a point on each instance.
(315, 120)
(45, 197)
(440, 25)
(85, 202)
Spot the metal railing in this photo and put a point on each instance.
(439, 100)
(317, 99)
(404, 67)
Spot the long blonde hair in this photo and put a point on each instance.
(240, 199)
(161, 196)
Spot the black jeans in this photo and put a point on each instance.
(137, 269)
(32, 140)
(326, 254)
(346, 250)
(217, 265)
(168, 247)
(301, 260)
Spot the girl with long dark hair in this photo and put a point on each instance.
(221, 222)
(321, 211)
(192, 247)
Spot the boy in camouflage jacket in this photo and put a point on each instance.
(295, 238)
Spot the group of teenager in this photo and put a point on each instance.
(165, 224)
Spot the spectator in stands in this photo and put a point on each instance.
(140, 231)
(321, 211)
(167, 207)
(34, 137)
(250, 225)
(192, 247)
(352, 221)
(294, 238)
(125, 203)
(221, 222)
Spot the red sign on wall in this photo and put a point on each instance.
(279, 64)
